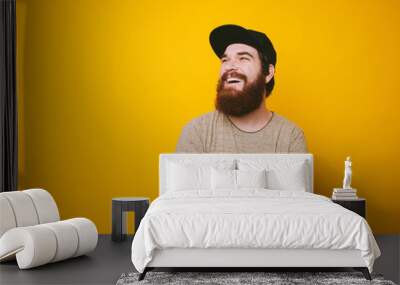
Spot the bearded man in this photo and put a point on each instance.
(242, 122)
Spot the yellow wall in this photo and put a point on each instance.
(105, 86)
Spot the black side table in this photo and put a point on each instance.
(119, 208)
(357, 206)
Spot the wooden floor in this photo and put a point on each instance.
(111, 259)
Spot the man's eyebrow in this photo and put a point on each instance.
(239, 53)
(245, 53)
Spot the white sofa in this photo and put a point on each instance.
(31, 230)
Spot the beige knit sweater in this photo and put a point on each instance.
(215, 133)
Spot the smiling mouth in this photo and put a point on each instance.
(233, 80)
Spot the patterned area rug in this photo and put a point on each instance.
(270, 278)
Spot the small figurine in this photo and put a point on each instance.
(347, 174)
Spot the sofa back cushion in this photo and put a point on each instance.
(26, 208)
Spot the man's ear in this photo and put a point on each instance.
(271, 73)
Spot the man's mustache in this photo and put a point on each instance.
(235, 74)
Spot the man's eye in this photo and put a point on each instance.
(244, 58)
(224, 60)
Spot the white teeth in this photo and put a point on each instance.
(233, 80)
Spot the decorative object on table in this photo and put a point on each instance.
(120, 206)
(347, 174)
(248, 278)
(347, 192)
(358, 205)
(344, 194)
(32, 233)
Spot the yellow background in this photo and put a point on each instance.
(105, 86)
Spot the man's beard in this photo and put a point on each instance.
(238, 103)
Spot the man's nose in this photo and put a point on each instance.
(232, 64)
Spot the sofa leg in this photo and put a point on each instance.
(364, 271)
(143, 274)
